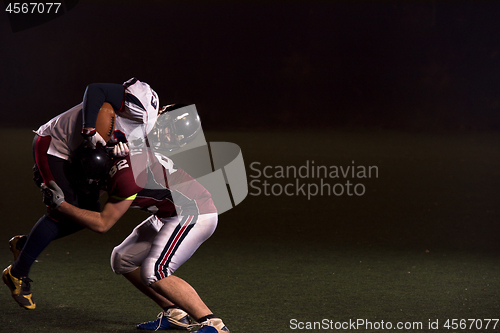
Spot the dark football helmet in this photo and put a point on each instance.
(176, 126)
(89, 168)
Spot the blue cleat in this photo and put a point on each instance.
(172, 319)
(207, 329)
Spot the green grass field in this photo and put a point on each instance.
(421, 245)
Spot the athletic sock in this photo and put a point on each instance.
(205, 318)
(43, 232)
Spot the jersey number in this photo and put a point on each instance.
(118, 166)
(154, 100)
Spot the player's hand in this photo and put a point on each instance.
(115, 138)
(93, 137)
(120, 150)
(53, 196)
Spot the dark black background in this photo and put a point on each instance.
(419, 65)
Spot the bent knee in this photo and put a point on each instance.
(121, 263)
(151, 272)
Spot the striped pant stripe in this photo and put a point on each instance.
(175, 240)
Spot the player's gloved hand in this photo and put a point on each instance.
(93, 137)
(113, 140)
(53, 196)
(120, 149)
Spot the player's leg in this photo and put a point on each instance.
(126, 259)
(49, 227)
(134, 277)
(171, 316)
(176, 242)
(182, 293)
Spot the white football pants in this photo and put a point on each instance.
(161, 246)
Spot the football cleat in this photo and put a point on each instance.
(16, 244)
(172, 319)
(214, 325)
(20, 289)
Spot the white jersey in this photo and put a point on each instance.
(139, 112)
(65, 131)
(135, 120)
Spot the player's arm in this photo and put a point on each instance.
(99, 222)
(95, 95)
(96, 221)
(42, 144)
(98, 93)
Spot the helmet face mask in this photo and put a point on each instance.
(177, 125)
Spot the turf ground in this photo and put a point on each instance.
(420, 246)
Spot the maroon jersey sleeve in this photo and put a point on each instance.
(122, 184)
(42, 144)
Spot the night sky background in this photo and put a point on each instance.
(425, 66)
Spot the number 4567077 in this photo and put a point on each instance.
(471, 324)
(32, 7)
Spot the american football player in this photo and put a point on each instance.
(136, 105)
(183, 217)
